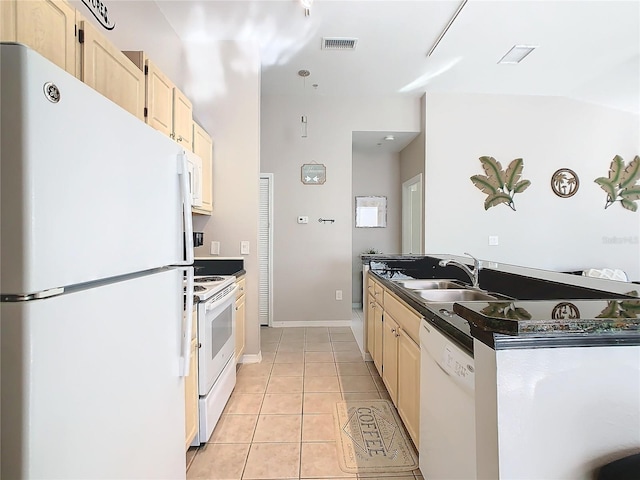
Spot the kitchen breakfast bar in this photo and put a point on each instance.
(529, 374)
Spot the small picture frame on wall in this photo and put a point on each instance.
(371, 212)
(313, 174)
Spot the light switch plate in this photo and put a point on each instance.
(244, 247)
(215, 248)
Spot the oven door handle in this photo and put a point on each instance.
(213, 305)
(187, 330)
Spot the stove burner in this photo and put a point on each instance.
(208, 279)
(197, 288)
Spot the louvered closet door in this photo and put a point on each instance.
(265, 250)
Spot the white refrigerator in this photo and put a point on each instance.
(95, 240)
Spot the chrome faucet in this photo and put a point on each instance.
(473, 274)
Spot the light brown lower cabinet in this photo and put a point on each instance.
(191, 388)
(240, 319)
(390, 337)
(378, 332)
(393, 342)
(408, 403)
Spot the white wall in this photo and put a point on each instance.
(312, 261)
(549, 133)
(375, 174)
(234, 123)
(412, 156)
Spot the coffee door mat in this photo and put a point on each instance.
(371, 438)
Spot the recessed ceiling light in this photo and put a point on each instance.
(389, 137)
(517, 53)
(304, 73)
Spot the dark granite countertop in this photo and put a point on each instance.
(452, 325)
(602, 317)
(553, 323)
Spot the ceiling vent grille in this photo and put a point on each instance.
(339, 43)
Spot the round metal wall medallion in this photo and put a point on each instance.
(565, 183)
(565, 311)
(51, 92)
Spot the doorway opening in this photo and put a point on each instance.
(412, 215)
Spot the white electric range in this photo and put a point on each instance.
(206, 286)
(215, 296)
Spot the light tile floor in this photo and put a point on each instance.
(278, 423)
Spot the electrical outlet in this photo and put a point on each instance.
(493, 240)
(338, 294)
(244, 247)
(215, 248)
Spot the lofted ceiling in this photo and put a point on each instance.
(587, 49)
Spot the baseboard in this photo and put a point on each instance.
(251, 358)
(314, 323)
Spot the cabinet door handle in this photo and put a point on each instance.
(179, 138)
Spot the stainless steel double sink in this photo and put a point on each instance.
(443, 290)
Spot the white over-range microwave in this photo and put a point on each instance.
(194, 166)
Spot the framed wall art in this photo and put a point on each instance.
(313, 174)
(371, 212)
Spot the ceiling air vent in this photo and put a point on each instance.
(339, 43)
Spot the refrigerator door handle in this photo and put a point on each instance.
(185, 354)
(183, 173)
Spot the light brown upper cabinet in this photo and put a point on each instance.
(182, 119)
(167, 109)
(109, 71)
(158, 98)
(47, 26)
(203, 147)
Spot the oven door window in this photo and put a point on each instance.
(221, 329)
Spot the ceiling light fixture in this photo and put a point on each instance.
(306, 4)
(304, 74)
(517, 53)
(389, 138)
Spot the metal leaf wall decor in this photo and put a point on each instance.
(621, 184)
(500, 186)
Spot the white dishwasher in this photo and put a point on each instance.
(447, 408)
